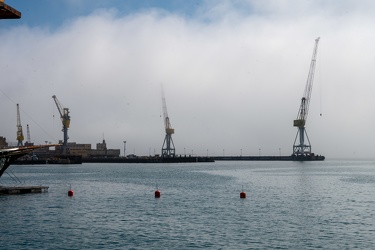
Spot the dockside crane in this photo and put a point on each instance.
(20, 136)
(301, 148)
(168, 149)
(65, 119)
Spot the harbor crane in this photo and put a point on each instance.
(168, 149)
(65, 119)
(301, 148)
(20, 136)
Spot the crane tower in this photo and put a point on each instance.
(168, 149)
(300, 147)
(65, 119)
(20, 136)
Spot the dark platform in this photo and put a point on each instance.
(59, 159)
(178, 159)
(270, 158)
(23, 189)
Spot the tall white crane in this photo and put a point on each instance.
(20, 136)
(301, 148)
(65, 119)
(168, 149)
(28, 133)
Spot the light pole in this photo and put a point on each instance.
(259, 152)
(280, 151)
(124, 148)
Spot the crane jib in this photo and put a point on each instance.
(305, 102)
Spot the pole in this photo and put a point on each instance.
(124, 148)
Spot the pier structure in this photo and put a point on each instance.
(9, 156)
(8, 12)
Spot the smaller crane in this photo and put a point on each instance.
(168, 149)
(65, 119)
(20, 136)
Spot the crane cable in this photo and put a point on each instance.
(320, 83)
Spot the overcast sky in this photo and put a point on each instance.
(233, 74)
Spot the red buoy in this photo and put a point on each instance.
(157, 193)
(242, 195)
(70, 193)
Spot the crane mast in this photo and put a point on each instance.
(65, 119)
(20, 136)
(301, 148)
(168, 149)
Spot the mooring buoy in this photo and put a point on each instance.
(157, 193)
(242, 194)
(70, 192)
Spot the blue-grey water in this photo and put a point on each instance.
(289, 205)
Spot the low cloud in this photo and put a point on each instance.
(233, 78)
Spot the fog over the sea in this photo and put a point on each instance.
(233, 74)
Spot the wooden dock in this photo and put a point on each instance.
(22, 189)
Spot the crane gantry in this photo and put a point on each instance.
(302, 148)
(168, 149)
(20, 136)
(65, 119)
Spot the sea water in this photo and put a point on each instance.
(289, 205)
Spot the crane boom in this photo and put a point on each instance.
(20, 136)
(64, 112)
(305, 101)
(167, 124)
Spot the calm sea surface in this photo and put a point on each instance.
(289, 205)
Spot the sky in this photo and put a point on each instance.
(233, 74)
